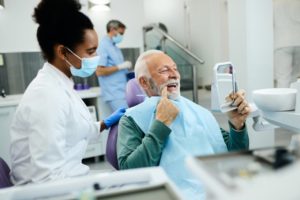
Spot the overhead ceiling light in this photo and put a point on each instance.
(99, 5)
(97, 8)
(100, 2)
(1, 4)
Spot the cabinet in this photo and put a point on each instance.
(104, 111)
(92, 100)
(97, 147)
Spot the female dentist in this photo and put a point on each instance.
(52, 126)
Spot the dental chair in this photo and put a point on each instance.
(4, 175)
(134, 96)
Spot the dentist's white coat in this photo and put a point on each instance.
(50, 130)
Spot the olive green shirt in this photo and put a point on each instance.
(136, 149)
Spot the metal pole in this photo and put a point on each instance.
(144, 38)
(195, 86)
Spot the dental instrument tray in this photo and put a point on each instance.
(229, 170)
(143, 183)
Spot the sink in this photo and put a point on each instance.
(275, 99)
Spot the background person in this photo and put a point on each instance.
(112, 69)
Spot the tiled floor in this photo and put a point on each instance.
(282, 136)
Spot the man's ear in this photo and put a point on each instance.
(143, 83)
(60, 51)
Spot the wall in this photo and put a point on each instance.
(170, 13)
(209, 35)
(18, 30)
(130, 12)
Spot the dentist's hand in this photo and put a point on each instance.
(114, 117)
(166, 111)
(125, 65)
(238, 116)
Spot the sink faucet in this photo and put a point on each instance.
(3, 94)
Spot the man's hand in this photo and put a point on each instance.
(166, 112)
(238, 116)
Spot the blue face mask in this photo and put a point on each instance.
(117, 39)
(88, 66)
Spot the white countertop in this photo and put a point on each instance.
(93, 92)
(13, 100)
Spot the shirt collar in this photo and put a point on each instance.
(60, 75)
(110, 40)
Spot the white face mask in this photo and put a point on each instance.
(88, 66)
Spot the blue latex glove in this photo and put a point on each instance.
(114, 117)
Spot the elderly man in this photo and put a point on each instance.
(166, 127)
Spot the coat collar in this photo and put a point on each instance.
(68, 82)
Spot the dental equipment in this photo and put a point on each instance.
(224, 83)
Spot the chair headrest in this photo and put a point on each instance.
(4, 174)
(134, 93)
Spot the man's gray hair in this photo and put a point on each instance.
(114, 24)
(141, 66)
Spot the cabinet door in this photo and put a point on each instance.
(103, 112)
(94, 147)
(6, 115)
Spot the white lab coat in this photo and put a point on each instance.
(50, 130)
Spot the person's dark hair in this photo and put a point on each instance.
(114, 24)
(60, 22)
